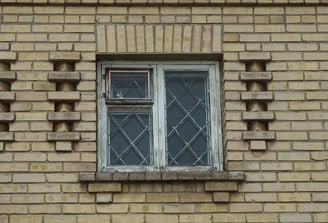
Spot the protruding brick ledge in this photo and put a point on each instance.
(161, 176)
(168, 2)
(7, 76)
(63, 136)
(6, 136)
(266, 115)
(256, 56)
(65, 56)
(64, 116)
(8, 56)
(105, 187)
(259, 135)
(220, 184)
(7, 117)
(255, 76)
(257, 96)
(7, 96)
(61, 76)
(4, 46)
(64, 96)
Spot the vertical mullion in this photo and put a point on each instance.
(102, 121)
(155, 119)
(161, 117)
(215, 117)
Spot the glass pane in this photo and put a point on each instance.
(129, 84)
(187, 118)
(129, 138)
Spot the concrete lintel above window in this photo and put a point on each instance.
(160, 57)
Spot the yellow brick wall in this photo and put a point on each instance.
(288, 182)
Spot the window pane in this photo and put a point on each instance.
(129, 84)
(187, 118)
(129, 138)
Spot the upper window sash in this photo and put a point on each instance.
(128, 86)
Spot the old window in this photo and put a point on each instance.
(158, 116)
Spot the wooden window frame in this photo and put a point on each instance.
(156, 102)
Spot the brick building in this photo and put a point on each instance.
(163, 111)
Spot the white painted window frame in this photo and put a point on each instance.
(158, 112)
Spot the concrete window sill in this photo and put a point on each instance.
(88, 177)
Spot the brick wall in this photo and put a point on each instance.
(285, 163)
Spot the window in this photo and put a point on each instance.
(159, 117)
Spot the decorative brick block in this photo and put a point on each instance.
(7, 117)
(6, 136)
(257, 96)
(105, 187)
(254, 56)
(266, 115)
(259, 135)
(58, 76)
(64, 96)
(8, 56)
(220, 186)
(104, 197)
(203, 175)
(63, 136)
(86, 177)
(137, 176)
(258, 145)
(255, 76)
(7, 76)
(221, 197)
(226, 176)
(4, 46)
(120, 176)
(2, 146)
(63, 146)
(185, 175)
(169, 176)
(64, 116)
(100, 176)
(7, 96)
(65, 56)
(152, 176)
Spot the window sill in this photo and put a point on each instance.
(88, 177)
(218, 184)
